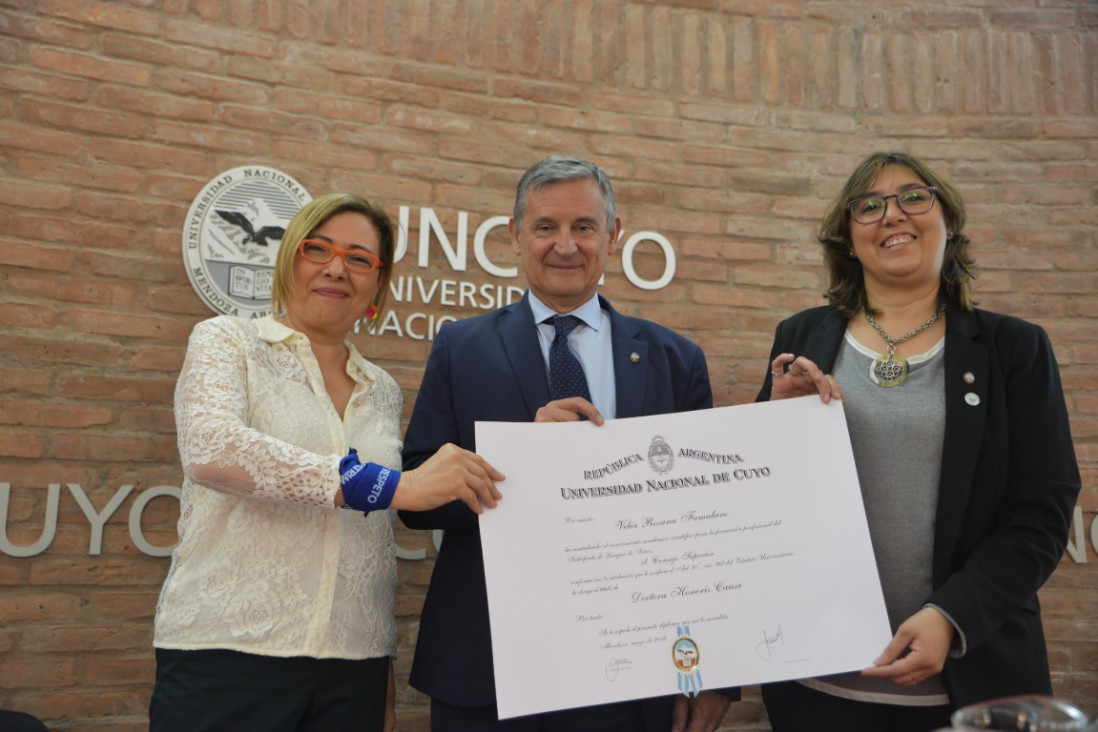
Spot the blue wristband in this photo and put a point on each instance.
(368, 487)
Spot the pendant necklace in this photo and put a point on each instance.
(891, 370)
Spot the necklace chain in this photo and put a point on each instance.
(893, 342)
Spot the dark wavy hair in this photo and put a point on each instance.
(846, 291)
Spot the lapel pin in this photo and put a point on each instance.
(972, 399)
(969, 377)
(634, 358)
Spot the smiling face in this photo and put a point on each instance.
(328, 298)
(564, 240)
(904, 250)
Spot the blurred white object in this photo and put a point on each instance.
(1021, 713)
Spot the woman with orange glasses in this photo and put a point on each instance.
(277, 611)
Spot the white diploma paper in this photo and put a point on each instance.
(688, 551)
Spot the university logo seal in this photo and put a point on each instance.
(232, 235)
(660, 455)
(687, 657)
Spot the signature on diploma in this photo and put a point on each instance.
(615, 665)
(770, 641)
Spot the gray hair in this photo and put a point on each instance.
(557, 169)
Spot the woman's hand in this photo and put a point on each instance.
(451, 474)
(794, 376)
(926, 637)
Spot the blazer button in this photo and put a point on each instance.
(969, 377)
(972, 399)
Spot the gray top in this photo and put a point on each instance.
(896, 436)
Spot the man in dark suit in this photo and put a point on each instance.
(520, 363)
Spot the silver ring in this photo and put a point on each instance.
(791, 372)
(775, 374)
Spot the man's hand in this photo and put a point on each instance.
(569, 410)
(701, 713)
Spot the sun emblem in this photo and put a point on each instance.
(660, 455)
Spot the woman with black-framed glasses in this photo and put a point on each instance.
(961, 439)
(277, 611)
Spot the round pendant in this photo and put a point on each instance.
(888, 371)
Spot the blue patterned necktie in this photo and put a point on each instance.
(566, 377)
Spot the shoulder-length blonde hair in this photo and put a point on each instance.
(846, 291)
(310, 218)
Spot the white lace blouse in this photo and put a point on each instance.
(265, 563)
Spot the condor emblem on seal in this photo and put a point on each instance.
(661, 457)
(232, 235)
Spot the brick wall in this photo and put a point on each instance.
(726, 126)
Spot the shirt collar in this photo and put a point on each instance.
(270, 330)
(590, 312)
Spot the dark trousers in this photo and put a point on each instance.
(623, 717)
(794, 707)
(19, 722)
(215, 690)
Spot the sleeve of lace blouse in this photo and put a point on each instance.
(218, 449)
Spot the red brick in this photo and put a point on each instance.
(155, 104)
(147, 420)
(16, 315)
(59, 351)
(23, 381)
(42, 197)
(36, 414)
(39, 27)
(44, 84)
(19, 444)
(35, 167)
(205, 86)
(147, 155)
(89, 66)
(82, 118)
(116, 388)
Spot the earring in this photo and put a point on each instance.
(371, 313)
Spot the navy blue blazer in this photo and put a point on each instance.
(490, 367)
(1008, 484)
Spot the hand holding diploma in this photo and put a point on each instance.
(794, 376)
(927, 636)
(569, 410)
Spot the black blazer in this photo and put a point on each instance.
(1007, 489)
(491, 368)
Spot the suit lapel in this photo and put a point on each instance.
(519, 336)
(630, 374)
(824, 341)
(967, 367)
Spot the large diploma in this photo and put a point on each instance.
(676, 553)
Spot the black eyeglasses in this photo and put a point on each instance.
(356, 260)
(871, 209)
